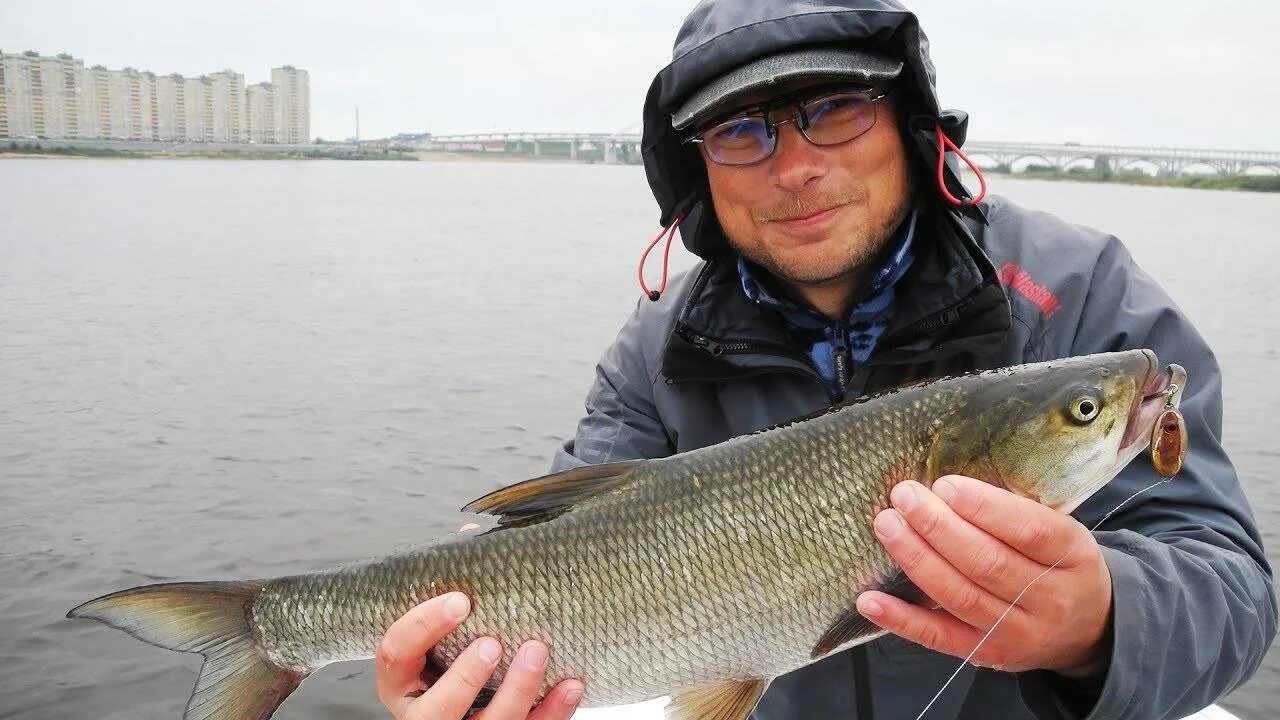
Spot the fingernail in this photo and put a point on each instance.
(945, 489)
(869, 607)
(457, 605)
(903, 496)
(573, 696)
(535, 655)
(888, 524)
(489, 649)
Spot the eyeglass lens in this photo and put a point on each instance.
(827, 120)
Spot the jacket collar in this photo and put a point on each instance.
(949, 302)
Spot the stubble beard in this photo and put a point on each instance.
(868, 241)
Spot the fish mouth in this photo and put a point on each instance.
(1158, 391)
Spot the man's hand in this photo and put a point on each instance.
(972, 548)
(402, 657)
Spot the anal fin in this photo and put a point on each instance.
(725, 700)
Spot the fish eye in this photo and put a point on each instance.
(1085, 408)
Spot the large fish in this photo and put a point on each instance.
(702, 575)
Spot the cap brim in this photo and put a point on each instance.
(780, 71)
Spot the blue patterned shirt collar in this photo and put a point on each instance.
(888, 275)
(866, 320)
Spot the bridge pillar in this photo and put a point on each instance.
(610, 153)
(537, 148)
(573, 149)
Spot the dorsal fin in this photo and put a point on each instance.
(541, 499)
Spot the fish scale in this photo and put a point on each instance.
(702, 575)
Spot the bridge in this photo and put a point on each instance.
(586, 147)
(1165, 161)
(625, 148)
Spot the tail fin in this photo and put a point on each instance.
(236, 682)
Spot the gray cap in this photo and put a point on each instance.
(779, 71)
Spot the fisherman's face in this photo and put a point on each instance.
(816, 216)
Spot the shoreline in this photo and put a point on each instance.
(16, 150)
(1236, 183)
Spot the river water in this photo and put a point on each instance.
(214, 369)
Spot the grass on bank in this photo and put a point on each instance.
(1249, 183)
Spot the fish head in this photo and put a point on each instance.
(1056, 432)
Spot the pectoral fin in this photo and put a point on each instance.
(724, 700)
(849, 625)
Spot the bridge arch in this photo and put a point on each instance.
(1015, 167)
(1142, 165)
(986, 161)
(1092, 162)
(1199, 168)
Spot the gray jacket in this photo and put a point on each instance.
(1194, 606)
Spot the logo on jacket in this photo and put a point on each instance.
(1016, 278)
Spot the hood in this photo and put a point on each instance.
(720, 35)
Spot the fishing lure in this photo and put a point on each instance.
(1169, 439)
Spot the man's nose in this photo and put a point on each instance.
(797, 163)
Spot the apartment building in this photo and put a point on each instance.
(57, 97)
(261, 101)
(293, 104)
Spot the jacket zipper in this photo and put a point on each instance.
(840, 356)
(717, 349)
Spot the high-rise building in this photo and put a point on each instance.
(170, 109)
(293, 104)
(57, 97)
(196, 92)
(226, 101)
(4, 107)
(261, 101)
(63, 76)
(105, 102)
(16, 70)
(40, 97)
(99, 102)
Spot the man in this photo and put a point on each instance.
(798, 141)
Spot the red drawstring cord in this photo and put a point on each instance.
(944, 143)
(669, 233)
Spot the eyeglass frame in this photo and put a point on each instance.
(797, 101)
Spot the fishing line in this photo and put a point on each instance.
(1014, 604)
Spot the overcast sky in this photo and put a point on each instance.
(1164, 72)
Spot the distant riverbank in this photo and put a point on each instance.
(1248, 183)
(487, 157)
(319, 152)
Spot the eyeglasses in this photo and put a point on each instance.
(828, 119)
